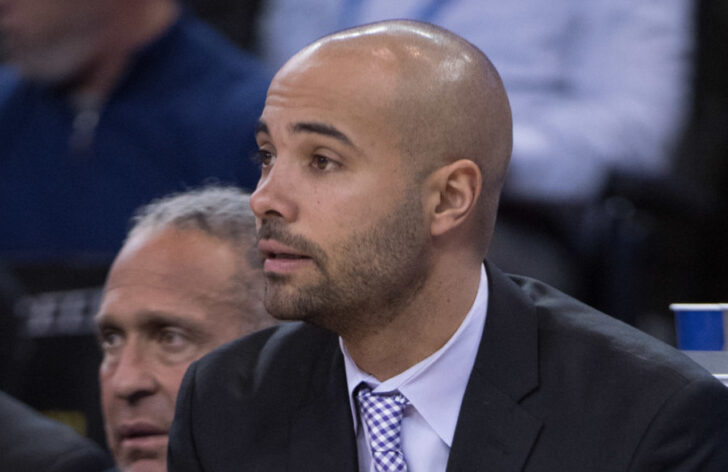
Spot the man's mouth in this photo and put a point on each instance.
(280, 258)
(284, 255)
(140, 431)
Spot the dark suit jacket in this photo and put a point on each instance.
(556, 386)
(31, 442)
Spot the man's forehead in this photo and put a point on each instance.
(323, 99)
(172, 260)
(345, 71)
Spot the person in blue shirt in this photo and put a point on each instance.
(105, 105)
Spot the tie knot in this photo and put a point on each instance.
(389, 403)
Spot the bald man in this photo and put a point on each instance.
(383, 150)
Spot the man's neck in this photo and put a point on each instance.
(133, 28)
(420, 328)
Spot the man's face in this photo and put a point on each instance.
(52, 39)
(163, 307)
(340, 215)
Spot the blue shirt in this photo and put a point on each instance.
(183, 113)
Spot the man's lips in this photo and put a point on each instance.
(139, 430)
(279, 257)
(272, 249)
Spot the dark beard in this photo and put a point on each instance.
(365, 281)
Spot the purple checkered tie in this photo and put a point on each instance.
(383, 416)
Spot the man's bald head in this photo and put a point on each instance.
(437, 94)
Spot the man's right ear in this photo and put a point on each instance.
(453, 192)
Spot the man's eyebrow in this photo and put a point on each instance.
(102, 323)
(321, 128)
(261, 127)
(149, 319)
(159, 319)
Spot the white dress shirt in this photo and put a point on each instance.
(434, 387)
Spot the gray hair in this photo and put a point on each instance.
(221, 212)
(224, 213)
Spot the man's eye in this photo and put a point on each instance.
(111, 340)
(263, 158)
(322, 162)
(172, 339)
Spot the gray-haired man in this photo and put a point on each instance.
(183, 284)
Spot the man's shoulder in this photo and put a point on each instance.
(260, 399)
(593, 372)
(285, 351)
(571, 329)
(34, 442)
(290, 338)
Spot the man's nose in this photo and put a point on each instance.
(133, 378)
(275, 194)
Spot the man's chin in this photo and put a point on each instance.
(290, 298)
(147, 454)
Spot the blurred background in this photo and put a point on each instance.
(617, 194)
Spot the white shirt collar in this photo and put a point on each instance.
(437, 401)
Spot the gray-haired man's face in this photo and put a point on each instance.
(164, 306)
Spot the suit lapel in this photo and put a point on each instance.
(322, 431)
(493, 430)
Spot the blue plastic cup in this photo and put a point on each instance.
(699, 326)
